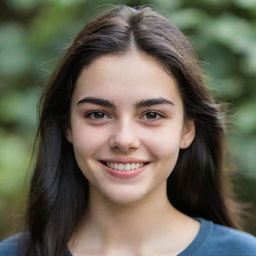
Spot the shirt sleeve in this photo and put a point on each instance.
(227, 241)
(10, 246)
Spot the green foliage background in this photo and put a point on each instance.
(35, 33)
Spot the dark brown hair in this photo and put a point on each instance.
(199, 184)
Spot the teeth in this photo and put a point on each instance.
(124, 167)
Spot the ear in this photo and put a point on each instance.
(68, 132)
(188, 133)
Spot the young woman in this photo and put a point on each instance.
(131, 150)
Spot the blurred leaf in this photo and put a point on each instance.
(187, 18)
(66, 2)
(246, 3)
(48, 24)
(13, 163)
(231, 31)
(23, 5)
(217, 62)
(166, 5)
(243, 149)
(14, 53)
(245, 117)
(20, 108)
(248, 64)
(227, 87)
(218, 3)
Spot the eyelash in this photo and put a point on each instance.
(91, 113)
(159, 115)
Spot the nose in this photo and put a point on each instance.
(124, 137)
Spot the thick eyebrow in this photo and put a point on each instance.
(151, 102)
(97, 101)
(140, 104)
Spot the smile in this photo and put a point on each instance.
(124, 167)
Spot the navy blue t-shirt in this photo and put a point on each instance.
(211, 240)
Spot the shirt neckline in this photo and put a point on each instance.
(197, 243)
(201, 237)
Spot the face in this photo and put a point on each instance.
(127, 126)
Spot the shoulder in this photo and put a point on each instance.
(11, 246)
(235, 238)
(228, 241)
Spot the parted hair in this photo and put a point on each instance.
(199, 185)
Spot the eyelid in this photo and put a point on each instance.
(160, 114)
(88, 113)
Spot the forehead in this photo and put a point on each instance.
(133, 75)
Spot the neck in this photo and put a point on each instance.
(132, 222)
(135, 226)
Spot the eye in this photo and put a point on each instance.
(96, 115)
(153, 116)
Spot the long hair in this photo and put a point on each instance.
(198, 186)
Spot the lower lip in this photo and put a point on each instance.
(125, 174)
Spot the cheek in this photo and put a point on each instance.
(166, 142)
(167, 155)
(88, 140)
(165, 149)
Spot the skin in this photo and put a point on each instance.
(123, 213)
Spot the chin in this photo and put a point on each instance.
(125, 198)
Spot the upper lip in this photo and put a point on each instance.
(124, 160)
